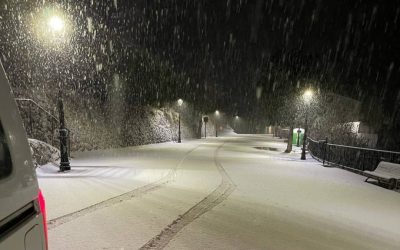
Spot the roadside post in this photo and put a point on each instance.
(325, 150)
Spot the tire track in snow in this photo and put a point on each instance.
(170, 176)
(225, 188)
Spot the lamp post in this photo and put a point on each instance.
(64, 136)
(235, 122)
(205, 120)
(216, 122)
(307, 97)
(57, 28)
(180, 102)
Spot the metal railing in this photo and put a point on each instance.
(39, 123)
(351, 157)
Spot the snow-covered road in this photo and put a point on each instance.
(219, 193)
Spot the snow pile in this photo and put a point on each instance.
(43, 153)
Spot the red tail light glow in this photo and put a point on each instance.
(42, 205)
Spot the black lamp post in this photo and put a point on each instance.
(64, 134)
(205, 120)
(57, 32)
(216, 122)
(234, 122)
(303, 150)
(179, 128)
(307, 96)
(180, 102)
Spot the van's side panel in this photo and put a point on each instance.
(20, 187)
(18, 240)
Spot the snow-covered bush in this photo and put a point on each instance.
(43, 153)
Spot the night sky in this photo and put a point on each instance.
(222, 51)
(350, 47)
(230, 48)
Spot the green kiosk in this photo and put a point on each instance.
(298, 134)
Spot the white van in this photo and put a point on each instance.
(22, 208)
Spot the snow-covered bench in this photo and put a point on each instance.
(387, 173)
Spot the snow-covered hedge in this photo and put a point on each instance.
(43, 153)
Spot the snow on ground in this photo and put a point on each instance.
(99, 175)
(292, 204)
(279, 201)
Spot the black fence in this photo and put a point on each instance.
(351, 157)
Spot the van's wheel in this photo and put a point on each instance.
(392, 184)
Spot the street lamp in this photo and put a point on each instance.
(307, 97)
(53, 28)
(216, 122)
(180, 102)
(234, 122)
(56, 26)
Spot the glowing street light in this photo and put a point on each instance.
(52, 28)
(180, 102)
(235, 122)
(56, 24)
(216, 122)
(307, 97)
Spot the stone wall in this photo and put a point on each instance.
(93, 129)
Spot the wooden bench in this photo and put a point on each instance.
(387, 173)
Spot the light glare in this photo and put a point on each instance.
(308, 94)
(180, 102)
(56, 23)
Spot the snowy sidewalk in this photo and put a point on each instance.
(131, 223)
(100, 175)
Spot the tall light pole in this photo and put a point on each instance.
(235, 122)
(216, 122)
(205, 120)
(56, 26)
(307, 97)
(180, 102)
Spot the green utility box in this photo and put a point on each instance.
(296, 134)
